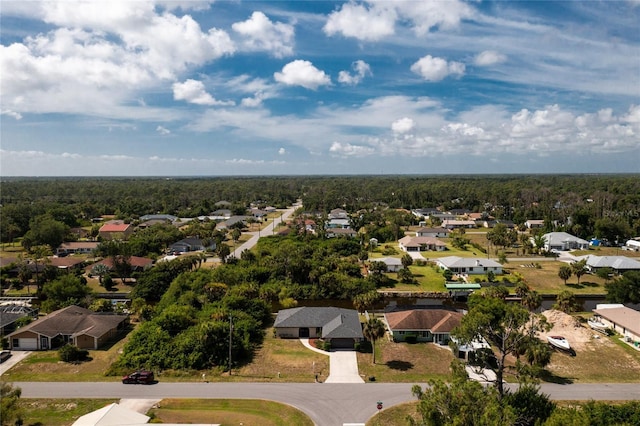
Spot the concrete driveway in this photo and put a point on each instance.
(16, 357)
(343, 365)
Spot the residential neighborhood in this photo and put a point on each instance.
(369, 292)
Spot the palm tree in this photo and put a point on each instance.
(579, 268)
(373, 330)
(565, 273)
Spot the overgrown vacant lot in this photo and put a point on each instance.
(544, 279)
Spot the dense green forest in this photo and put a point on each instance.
(580, 203)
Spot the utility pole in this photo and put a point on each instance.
(230, 341)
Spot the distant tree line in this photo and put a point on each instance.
(607, 206)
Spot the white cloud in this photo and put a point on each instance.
(12, 114)
(374, 20)
(488, 58)
(349, 150)
(364, 23)
(194, 92)
(163, 130)
(360, 68)
(96, 58)
(428, 14)
(436, 69)
(302, 73)
(260, 34)
(403, 125)
(282, 151)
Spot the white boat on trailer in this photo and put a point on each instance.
(597, 325)
(559, 342)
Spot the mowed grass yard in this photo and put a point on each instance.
(405, 363)
(543, 277)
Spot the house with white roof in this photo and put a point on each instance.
(468, 265)
(409, 243)
(393, 264)
(619, 264)
(563, 241)
(625, 321)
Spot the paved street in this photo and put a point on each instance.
(327, 404)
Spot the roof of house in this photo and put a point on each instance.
(389, 261)
(335, 322)
(454, 222)
(74, 320)
(11, 313)
(79, 245)
(112, 415)
(623, 316)
(343, 231)
(467, 262)
(410, 241)
(164, 217)
(553, 238)
(65, 262)
(115, 226)
(135, 261)
(434, 320)
(614, 262)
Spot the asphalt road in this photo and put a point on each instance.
(326, 404)
(268, 230)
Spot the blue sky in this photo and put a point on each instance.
(176, 88)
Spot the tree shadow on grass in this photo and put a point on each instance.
(399, 365)
(549, 377)
(583, 285)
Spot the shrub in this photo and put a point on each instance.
(411, 338)
(71, 353)
(326, 345)
(356, 346)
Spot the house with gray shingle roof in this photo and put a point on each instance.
(339, 326)
(79, 326)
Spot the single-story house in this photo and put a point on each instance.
(456, 224)
(11, 313)
(491, 223)
(425, 212)
(77, 247)
(534, 223)
(338, 223)
(633, 245)
(113, 414)
(393, 263)
(564, 241)
(409, 243)
(159, 217)
(469, 266)
(338, 325)
(433, 232)
(338, 214)
(137, 263)
(115, 230)
(232, 221)
(427, 325)
(340, 232)
(619, 264)
(79, 326)
(66, 262)
(190, 244)
(625, 321)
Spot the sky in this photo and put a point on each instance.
(216, 88)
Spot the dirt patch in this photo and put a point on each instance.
(578, 336)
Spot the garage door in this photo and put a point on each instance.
(27, 344)
(342, 343)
